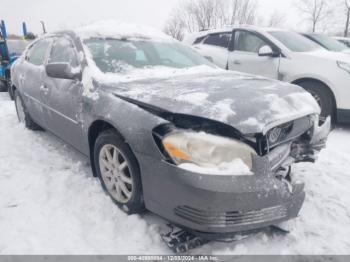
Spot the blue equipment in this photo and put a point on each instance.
(10, 50)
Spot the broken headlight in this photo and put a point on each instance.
(207, 151)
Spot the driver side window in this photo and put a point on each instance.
(37, 53)
(63, 52)
(248, 42)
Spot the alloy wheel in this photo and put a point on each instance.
(115, 173)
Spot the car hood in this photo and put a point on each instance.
(330, 55)
(248, 103)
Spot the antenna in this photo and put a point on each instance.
(24, 28)
(43, 26)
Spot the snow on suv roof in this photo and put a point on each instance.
(114, 29)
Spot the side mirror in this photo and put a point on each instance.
(267, 51)
(62, 71)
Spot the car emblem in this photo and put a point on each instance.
(274, 135)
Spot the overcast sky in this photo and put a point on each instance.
(59, 14)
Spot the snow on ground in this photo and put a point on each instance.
(51, 204)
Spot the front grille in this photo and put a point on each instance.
(232, 218)
(289, 131)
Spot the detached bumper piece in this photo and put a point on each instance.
(307, 152)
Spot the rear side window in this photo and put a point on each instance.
(37, 53)
(220, 40)
(248, 42)
(63, 51)
(199, 40)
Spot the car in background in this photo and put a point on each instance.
(328, 43)
(167, 130)
(10, 51)
(283, 55)
(343, 40)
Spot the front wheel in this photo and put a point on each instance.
(323, 97)
(118, 171)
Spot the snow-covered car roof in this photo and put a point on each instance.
(114, 29)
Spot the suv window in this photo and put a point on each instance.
(199, 40)
(220, 40)
(63, 52)
(248, 42)
(37, 53)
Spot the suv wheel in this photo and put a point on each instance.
(118, 171)
(322, 95)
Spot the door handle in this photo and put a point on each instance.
(209, 58)
(21, 78)
(44, 88)
(237, 62)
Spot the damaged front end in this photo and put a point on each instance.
(302, 142)
(267, 198)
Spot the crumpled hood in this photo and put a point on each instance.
(248, 103)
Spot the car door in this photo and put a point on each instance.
(215, 48)
(244, 55)
(63, 97)
(31, 76)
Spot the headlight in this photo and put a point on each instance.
(206, 153)
(344, 66)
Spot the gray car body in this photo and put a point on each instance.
(206, 204)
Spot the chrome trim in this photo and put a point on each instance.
(231, 218)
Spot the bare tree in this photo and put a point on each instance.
(196, 15)
(347, 6)
(242, 11)
(315, 11)
(276, 19)
(175, 26)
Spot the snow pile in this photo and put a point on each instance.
(120, 30)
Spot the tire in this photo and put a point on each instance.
(11, 94)
(120, 177)
(322, 95)
(22, 113)
(3, 86)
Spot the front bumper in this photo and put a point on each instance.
(218, 206)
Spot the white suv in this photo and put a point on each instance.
(282, 55)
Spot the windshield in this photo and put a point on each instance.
(115, 56)
(329, 43)
(294, 41)
(16, 47)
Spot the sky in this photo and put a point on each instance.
(61, 14)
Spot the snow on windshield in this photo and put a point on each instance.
(121, 52)
(123, 56)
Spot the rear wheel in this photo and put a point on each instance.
(118, 170)
(23, 115)
(322, 95)
(3, 86)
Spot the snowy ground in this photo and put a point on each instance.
(51, 204)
